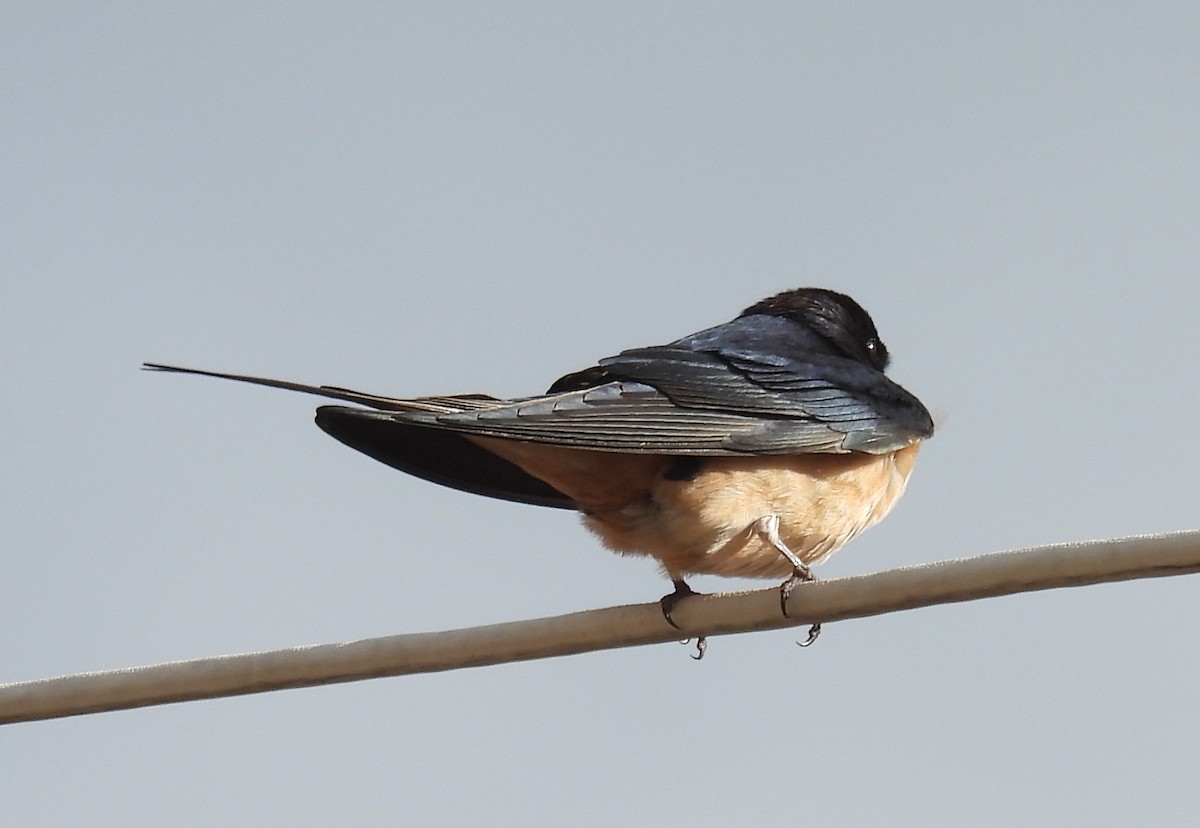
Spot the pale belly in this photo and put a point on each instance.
(706, 524)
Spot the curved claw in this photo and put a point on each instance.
(813, 632)
(701, 646)
(671, 599)
(798, 576)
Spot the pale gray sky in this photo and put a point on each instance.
(436, 198)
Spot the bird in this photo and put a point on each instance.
(755, 448)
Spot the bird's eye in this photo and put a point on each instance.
(877, 354)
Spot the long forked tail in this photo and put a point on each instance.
(327, 391)
(406, 442)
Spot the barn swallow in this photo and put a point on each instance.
(752, 449)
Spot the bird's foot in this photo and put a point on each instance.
(671, 599)
(668, 603)
(800, 574)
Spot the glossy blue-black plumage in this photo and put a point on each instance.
(807, 386)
